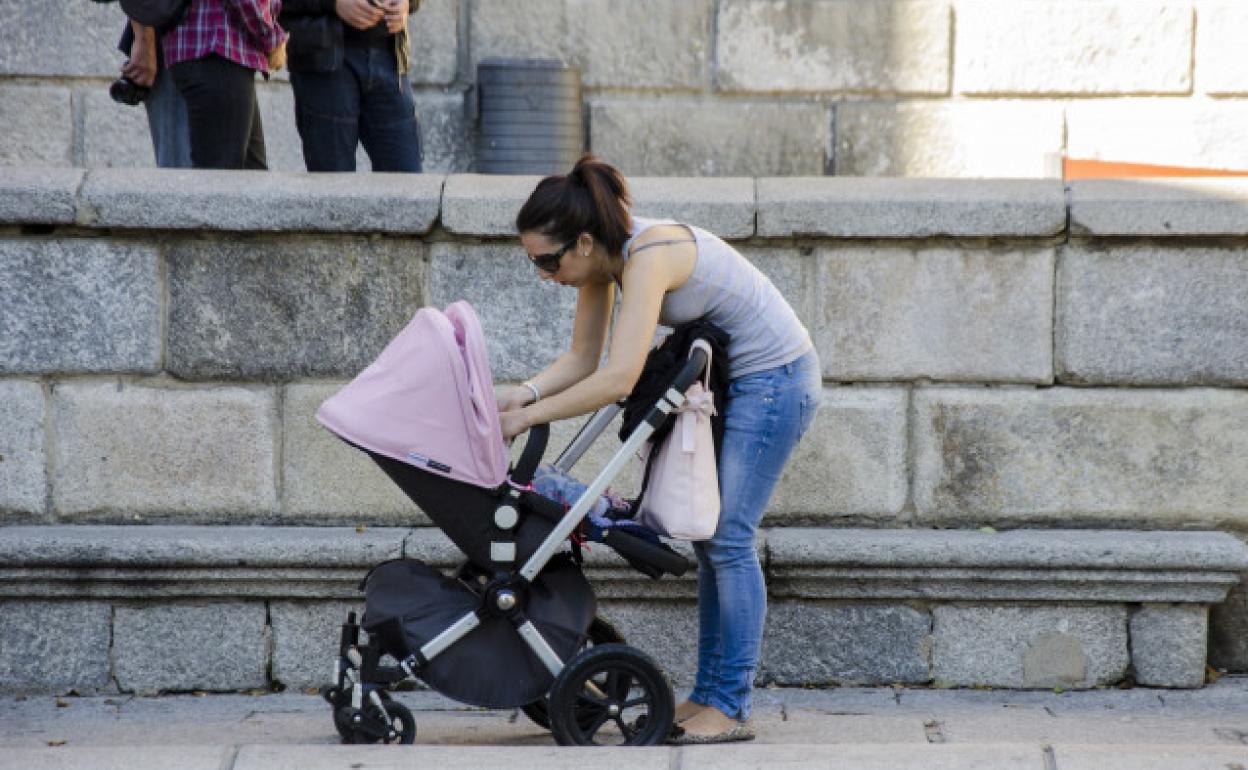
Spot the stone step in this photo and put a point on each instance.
(1019, 609)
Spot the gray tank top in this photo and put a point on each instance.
(731, 293)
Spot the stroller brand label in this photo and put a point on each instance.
(428, 463)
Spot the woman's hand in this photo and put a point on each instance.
(513, 398)
(513, 423)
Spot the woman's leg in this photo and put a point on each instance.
(767, 413)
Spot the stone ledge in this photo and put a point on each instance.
(39, 195)
(1019, 565)
(328, 562)
(480, 204)
(732, 207)
(1159, 207)
(168, 199)
(161, 562)
(865, 207)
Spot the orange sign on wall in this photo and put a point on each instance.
(1074, 168)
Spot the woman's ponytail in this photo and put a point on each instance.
(591, 198)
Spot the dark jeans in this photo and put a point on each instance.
(221, 109)
(366, 101)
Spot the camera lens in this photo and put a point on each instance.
(126, 91)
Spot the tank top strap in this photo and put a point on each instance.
(640, 225)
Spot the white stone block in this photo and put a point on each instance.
(528, 321)
(833, 46)
(115, 134)
(697, 137)
(526, 29)
(641, 44)
(128, 450)
(1169, 643)
(325, 479)
(54, 39)
(851, 463)
(434, 33)
(38, 126)
(1147, 315)
(1029, 647)
(1161, 458)
(1221, 28)
(191, 646)
(936, 313)
(1073, 47)
(1004, 139)
(23, 481)
(1190, 133)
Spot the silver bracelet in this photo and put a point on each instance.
(537, 394)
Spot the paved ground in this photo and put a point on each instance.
(878, 728)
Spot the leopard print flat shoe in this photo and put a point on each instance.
(741, 731)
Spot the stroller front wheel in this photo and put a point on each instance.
(611, 694)
(369, 725)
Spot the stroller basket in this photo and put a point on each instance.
(510, 628)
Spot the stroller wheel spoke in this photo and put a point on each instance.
(618, 684)
(596, 725)
(643, 701)
(591, 701)
(625, 730)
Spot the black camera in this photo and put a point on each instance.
(126, 91)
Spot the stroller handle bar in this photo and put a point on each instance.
(669, 402)
(691, 371)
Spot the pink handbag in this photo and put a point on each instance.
(681, 499)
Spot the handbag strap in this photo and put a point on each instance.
(706, 372)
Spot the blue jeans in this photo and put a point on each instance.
(766, 415)
(166, 118)
(365, 101)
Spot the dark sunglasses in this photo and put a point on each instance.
(549, 263)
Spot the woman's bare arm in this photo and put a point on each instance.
(647, 277)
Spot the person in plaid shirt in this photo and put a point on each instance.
(213, 55)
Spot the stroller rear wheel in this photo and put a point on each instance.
(611, 694)
(600, 632)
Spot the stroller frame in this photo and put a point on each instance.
(363, 710)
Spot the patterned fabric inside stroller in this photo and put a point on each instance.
(515, 625)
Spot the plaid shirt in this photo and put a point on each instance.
(243, 31)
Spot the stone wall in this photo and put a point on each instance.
(996, 354)
(978, 88)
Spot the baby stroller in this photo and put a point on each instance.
(515, 625)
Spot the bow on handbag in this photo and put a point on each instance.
(698, 404)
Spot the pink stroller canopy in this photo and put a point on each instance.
(428, 400)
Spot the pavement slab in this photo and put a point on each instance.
(897, 728)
